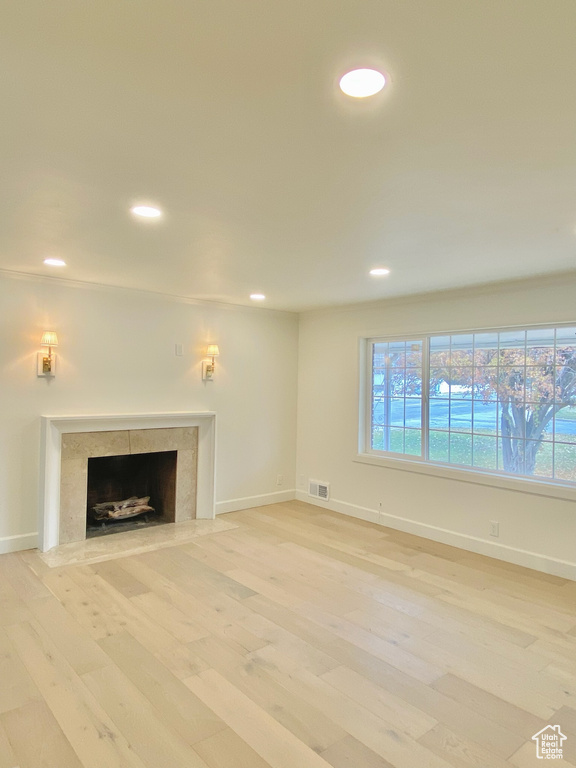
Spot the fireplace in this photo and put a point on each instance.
(130, 492)
(179, 478)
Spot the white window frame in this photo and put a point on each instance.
(421, 465)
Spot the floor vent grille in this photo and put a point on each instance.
(319, 490)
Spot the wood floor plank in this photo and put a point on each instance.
(521, 594)
(16, 685)
(468, 721)
(391, 709)
(228, 750)
(521, 620)
(483, 647)
(217, 613)
(441, 615)
(8, 758)
(516, 719)
(175, 704)
(12, 608)
(350, 753)
(112, 572)
(36, 738)
(330, 563)
(181, 660)
(306, 722)
(559, 647)
(567, 717)
(274, 743)
(262, 586)
(370, 642)
(459, 752)
(24, 582)
(535, 693)
(151, 738)
(90, 615)
(218, 560)
(72, 640)
(292, 644)
(174, 621)
(396, 655)
(85, 724)
(406, 594)
(376, 734)
(278, 568)
(192, 573)
(424, 619)
(32, 559)
(338, 543)
(392, 626)
(123, 611)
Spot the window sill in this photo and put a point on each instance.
(465, 475)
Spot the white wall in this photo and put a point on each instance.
(116, 355)
(536, 531)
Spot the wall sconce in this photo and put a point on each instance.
(47, 362)
(208, 365)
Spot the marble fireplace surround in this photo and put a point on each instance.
(144, 432)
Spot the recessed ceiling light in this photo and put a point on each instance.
(362, 82)
(55, 262)
(379, 271)
(257, 296)
(146, 211)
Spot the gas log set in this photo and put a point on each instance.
(120, 510)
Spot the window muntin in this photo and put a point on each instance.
(396, 397)
(499, 401)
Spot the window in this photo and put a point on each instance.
(397, 396)
(497, 401)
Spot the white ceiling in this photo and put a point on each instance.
(226, 113)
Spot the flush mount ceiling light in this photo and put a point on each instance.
(379, 271)
(257, 296)
(360, 83)
(55, 262)
(146, 211)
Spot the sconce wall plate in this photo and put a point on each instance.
(46, 366)
(207, 370)
(46, 363)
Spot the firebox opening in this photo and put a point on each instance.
(118, 478)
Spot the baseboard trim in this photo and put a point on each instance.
(537, 562)
(18, 543)
(234, 505)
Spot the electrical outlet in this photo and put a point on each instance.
(178, 350)
(494, 528)
(279, 479)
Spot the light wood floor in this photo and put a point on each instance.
(299, 639)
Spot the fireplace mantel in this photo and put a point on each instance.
(53, 427)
